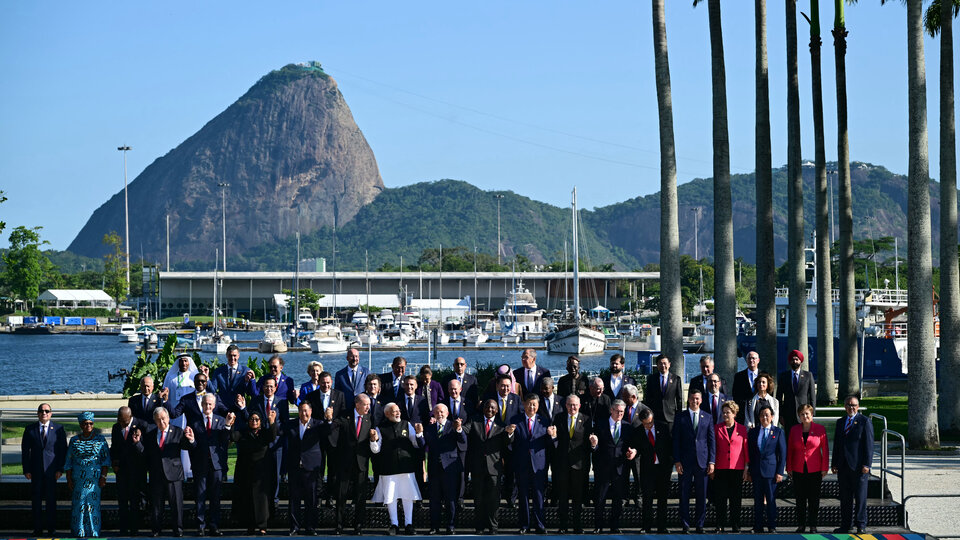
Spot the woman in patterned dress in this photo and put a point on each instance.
(88, 459)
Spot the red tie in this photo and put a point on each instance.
(126, 432)
(359, 419)
(163, 437)
(489, 422)
(653, 444)
(530, 425)
(630, 414)
(267, 401)
(209, 427)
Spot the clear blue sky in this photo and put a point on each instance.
(533, 96)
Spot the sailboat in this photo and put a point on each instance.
(218, 341)
(572, 336)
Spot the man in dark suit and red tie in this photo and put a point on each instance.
(655, 453)
(713, 398)
(350, 435)
(852, 460)
(664, 392)
(43, 451)
(131, 474)
(161, 448)
(610, 443)
(795, 387)
(487, 441)
(528, 443)
(530, 374)
(209, 461)
(694, 451)
(571, 463)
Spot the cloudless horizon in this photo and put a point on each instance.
(533, 97)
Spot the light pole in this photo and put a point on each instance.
(223, 209)
(830, 174)
(126, 211)
(498, 197)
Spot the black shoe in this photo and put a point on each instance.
(155, 534)
(178, 534)
(292, 532)
(201, 532)
(338, 531)
(433, 531)
(758, 530)
(358, 531)
(801, 529)
(616, 530)
(261, 532)
(451, 531)
(311, 532)
(598, 530)
(735, 529)
(478, 532)
(663, 530)
(772, 530)
(522, 532)
(686, 530)
(410, 529)
(215, 532)
(860, 530)
(494, 531)
(813, 529)
(719, 530)
(578, 530)
(841, 530)
(392, 530)
(561, 531)
(699, 530)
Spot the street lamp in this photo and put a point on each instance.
(223, 209)
(498, 197)
(126, 211)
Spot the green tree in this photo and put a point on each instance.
(307, 298)
(26, 266)
(114, 268)
(3, 224)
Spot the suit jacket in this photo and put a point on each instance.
(485, 452)
(854, 449)
(597, 408)
(529, 447)
(376, 409)
(468, 389)
(258, 405)
(305, 390)
(447, 450)
(697, 382)
(770, 461)
(504, 414)
(790, 401)
(520, 374)
(572, 452)
(285, 388)
(418, 413)
(466, 409)
(634, 416)
(220, 383)
(610, 456)
(335, 400)
(39, 457)
(144, 413)
(190, 407)
(707, 406)
(742, 391)
(693, 449)
(307, 452)
(164, 463)
(609, 391)
(387, 393)
(566, 386)
(732, 451)
(353, 453)
(750, 419)
(122, 451)
(211, 449)
(648, 454)
(815, 452)
(547, 414)
(343, 383)
(664, 404)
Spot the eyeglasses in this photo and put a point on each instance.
(86, 423)
(45, 411)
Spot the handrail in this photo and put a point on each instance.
(883, 455)
(906, 515)
(903, 464)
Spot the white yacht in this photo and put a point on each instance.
(305, 319)
(328, 339)
(394, 338)
(215, 343)
(272, 342)
(520, 313)
(128, 333)
(475, 336)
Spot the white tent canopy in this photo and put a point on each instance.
(74, 297)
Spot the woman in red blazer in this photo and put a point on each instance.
(807, 463)
(730, 466)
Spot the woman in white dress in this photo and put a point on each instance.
(397, 443)
(178, 383)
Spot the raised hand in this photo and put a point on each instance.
(418, 427)
(458, 424)
(511, 428)
(188, 433)
(296, 393)
(273, 415)
(205, 370)
(136, 435)
(631, 453)
(433, 420)
(594, 440)
(679, 467)
(165, 393)
(328, 413)
(241, 401)
(249, 376)
(231, 418)
(373, 435)
(552, 432)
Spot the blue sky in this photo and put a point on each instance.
(530, 96)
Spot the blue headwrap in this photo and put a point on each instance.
(85, 416)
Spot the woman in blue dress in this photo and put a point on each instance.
(88, 459)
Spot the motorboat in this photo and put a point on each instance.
(147, 333)
(642, 338)
(305, 319)
(520, 313)
(352, 337)
(272, 342)
(368, 337)
(215, 343)
(128, 334)
(475, 336)
(328, 339)
(394, 338)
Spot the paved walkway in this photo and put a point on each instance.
(928, 475)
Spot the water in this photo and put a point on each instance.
(42, 364)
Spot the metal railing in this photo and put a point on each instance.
(884, 464)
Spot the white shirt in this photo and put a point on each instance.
(613, 426)
(303, 428)
(615, 383)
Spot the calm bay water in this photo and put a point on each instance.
(42, 364)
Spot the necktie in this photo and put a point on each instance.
(456, 408)
(163, 437)
(766, 434)
(409, 406)
(530, 425)
(696, 421)
(489, 424)
(796, 382)
(233, 372)
(849, 425)
(267, 401)
(715, 408)
(209, 424)
(663, 384)
(43, 435)
(439, 429)
(750, 373)
(126, 431)
(359, 419)
(653, 444)
(145, 399)
(571, 427)
(616, 433)
(630, 413)
(503, 409)
(529, 380)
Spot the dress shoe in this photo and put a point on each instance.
(338, 531)
(177, 534)
(201, 532)
(522, 532)
(841, 530)
(813, 530)
(292, 532)
(686, 530)
(598, 530)
(410, 530)
(358, 531)
(261, 532)
(478, 532)
(719, 530)
(311, 532)
(392, 530)
(616, 530)
(860, 530)
(451, 531)
(772, 530)
(215, 532)
(758, 530)
(578, 530)
(699, 530)
(561, 531)
(155, 534)
(801, 529)
(735, 529)
(433, 531)
(541, 531)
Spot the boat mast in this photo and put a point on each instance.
(576, 263)
(334, 300)
(366, 278)
(476, 316)
(295, 318)
(440, 323)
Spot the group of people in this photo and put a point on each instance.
(425, 437)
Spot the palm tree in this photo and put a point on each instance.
(939, 18)
(922, 431)
(822, 246)
(725, 307)
(795, 257)
(670, 307)
(766, 267)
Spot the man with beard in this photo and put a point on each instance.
(616, 380)
(597, 403)
(397, 443)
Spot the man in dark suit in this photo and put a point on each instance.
(306, 437)
(610, 443)
(528, 443)
(694, 451)
(350, 379)
(161, 448)
(631, 397)
(550, 403)
(852, 460)
(795, 387)
(209, 461)
(413, 408)
(706, 369)
(530, 374)
(573, 382)
(191, 404)
(323, 398)
(767, 446)
(743, 383)
(655, 454)
(713, 398)
(596, 404)
(372, 389)
(508, 406)
(448, 446)
(43, 451)
(571, 463)
(664, 392)
(459, 408)
(350, 435)
(391, 382)
(487, 441)
(142, 404)
(128, 466)
(286, 389)
(263, 404)
(230, 379)
(468, 384)
(614, 381)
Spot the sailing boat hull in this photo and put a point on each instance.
(576, 340)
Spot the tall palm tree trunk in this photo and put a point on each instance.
(822, 246)
(849, 370)
(725, 307)
(766, 266)
(670, 307)
(795, 241)
(922, 428)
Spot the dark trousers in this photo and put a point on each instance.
(43, 489)
(728, 494)
(656, 483)
(353, 486)
(693, 479)
(569, 485)
(303, 492)
(853, 498)
(764, 502)
(486, 499)
(615, 486)
(531, 485)
(161, 489)
(444, 490)
(129, 485)
(327, 463)
(208, 487)
(508, 486)
(278, 455)
(807, 489)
